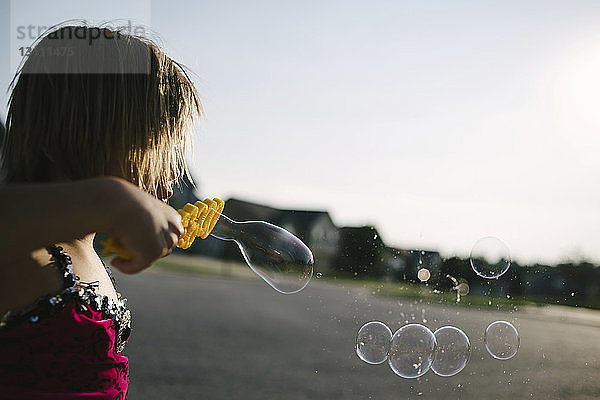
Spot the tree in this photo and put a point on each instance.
(360, 253)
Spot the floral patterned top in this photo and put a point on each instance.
(67, 345)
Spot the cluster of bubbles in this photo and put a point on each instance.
(414, 349)
(489, 258)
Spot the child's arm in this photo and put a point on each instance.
(38, 214)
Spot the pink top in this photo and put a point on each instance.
(67, 345)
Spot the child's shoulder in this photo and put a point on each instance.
(27, 278)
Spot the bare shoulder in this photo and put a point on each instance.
(25, 279)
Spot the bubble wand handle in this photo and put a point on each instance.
(198, 220)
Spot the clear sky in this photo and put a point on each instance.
(439, 122)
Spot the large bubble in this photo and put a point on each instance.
(373, 342)
(502, 340)
(490, 258)
(278, 257)
(452, 351)
(411, 351)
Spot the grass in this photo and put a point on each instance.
(204, 266)
(185, 268)
(236, 270)
(211, 267)
(428, 293)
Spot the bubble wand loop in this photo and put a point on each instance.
(274, 254)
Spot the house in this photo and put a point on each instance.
(314, 228)
(353, 251)
(361, 252)
(394, 263)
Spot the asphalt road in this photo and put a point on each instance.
(203, 337)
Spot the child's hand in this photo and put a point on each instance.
(147, 227)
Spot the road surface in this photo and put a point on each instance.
(205, 337)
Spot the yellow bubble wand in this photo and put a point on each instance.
(277, 256)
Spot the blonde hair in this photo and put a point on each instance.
(84, 103)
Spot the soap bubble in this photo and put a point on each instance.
(278, 257)
(373, 342)
(490, 257)
(452, 351)
(411, 352)
(423, 274)
(462, 288)
(502, 340)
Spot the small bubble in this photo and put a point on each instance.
(423, 274)
(490, 258)
(502, 340)
(463, 288)
(412, 350)
(373, 342)
(452, 352)
(319, 274)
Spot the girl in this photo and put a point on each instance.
(96, 132)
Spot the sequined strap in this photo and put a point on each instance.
(63, 261)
